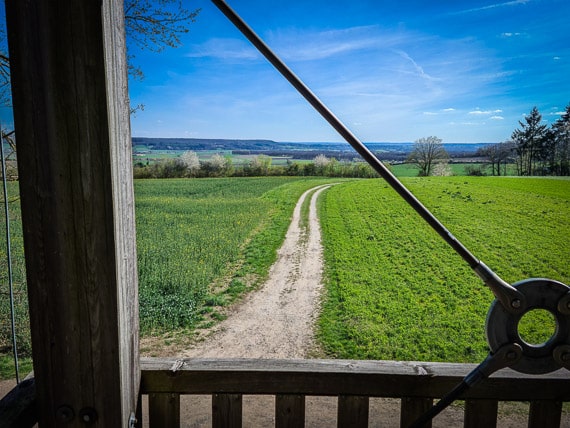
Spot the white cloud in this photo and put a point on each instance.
(233, 49)
(497, 118)
(419, 70)
(448, 109)
(494, 6)
(430, 113)
(485, 112)
(309, 46)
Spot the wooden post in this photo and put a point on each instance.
(71, 112)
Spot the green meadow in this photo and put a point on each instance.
(396, 291)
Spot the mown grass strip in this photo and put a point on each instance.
(395, 290)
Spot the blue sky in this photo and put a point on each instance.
(465, 71)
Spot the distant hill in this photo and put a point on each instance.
(387, 151)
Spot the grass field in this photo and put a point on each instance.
(203, 242)
(397, 291)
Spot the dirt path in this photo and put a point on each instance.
(277, 320)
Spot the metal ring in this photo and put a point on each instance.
(502, 326)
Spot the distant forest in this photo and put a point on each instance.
(304, 150)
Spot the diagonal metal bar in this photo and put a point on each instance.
(508, 295)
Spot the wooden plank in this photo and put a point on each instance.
(70, 102)
(338, 377)
(481, 413)
(412, 409)
(122, 191)
(226, 410)
(352, 411)
(545, 414)
(164, 410)
(289, 411)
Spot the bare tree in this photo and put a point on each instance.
(498, 154)
(155, 25)
(149, 24)
(427, 151)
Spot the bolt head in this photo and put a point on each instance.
(64, 414)
(565, 356)
(516, 303)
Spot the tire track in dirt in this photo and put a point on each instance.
(277, 321)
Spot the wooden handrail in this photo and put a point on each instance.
(342, 377)
(417, 384)
(164, 380)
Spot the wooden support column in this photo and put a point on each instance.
(71, 111)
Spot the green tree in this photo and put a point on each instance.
(561, 155)
(532, 142)
(427, 151)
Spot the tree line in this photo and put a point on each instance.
(534, 148)
(188, 165)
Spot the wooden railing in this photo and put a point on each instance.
(353, 382)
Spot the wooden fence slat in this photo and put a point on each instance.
(352, 411)
(481, 413)
(545, 414)
(289, 411)
(164, 410)
(226, 410)
(413, 408)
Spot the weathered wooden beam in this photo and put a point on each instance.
(71, 113)
(337, 377)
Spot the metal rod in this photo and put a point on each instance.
(504, 291)
(9, 258)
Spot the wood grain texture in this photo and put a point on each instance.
(227, 410)
(343, 377)
(289, 411)
(412, 408)
(481, 413)
(164, 410)
(545, 414)
(352, 411)
(70, 124)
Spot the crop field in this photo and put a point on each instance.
(395, 290)
(203, 242)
